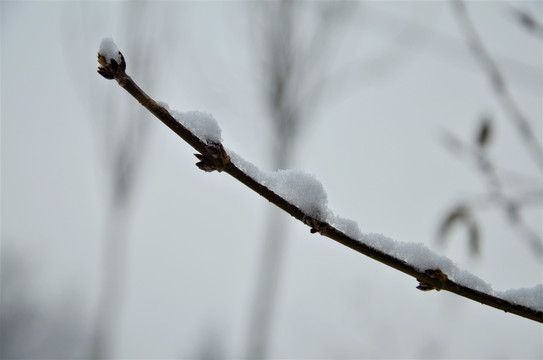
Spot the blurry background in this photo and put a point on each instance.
(114, 245)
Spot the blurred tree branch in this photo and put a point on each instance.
(510, 204)
(477, 153)
(528, 22)
(215, 156)
(498, 82)
(124, 145)
(288, 70)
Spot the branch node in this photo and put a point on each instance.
(215, 158)
(316, 226)
(440, 279)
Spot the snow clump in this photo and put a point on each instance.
(201, 124)
(109, 50)
(530, 297)
(296, 186)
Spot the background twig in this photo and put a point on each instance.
(498, 82)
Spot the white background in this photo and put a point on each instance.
(375, 142)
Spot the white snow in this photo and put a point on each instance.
(347, 226)
(308, 194)
(201, 124)
(109, 50)
(530, 297)
(300, 189)
(296, 186)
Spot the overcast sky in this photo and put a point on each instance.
(375, 141)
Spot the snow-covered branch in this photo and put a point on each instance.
(303, 197)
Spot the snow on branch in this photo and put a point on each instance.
(303, 196)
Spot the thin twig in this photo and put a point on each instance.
(509, 205)
(215, 155)
(498, 83)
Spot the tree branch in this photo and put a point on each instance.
(507, 202)
(213, 156)
(498, 83)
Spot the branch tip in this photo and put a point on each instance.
(109, 68)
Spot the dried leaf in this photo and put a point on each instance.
(474, 237)
(484, 133)
(513, 212)
(458, 214)
(527, 20)
(462, 215)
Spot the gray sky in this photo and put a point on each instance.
(374, 143)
